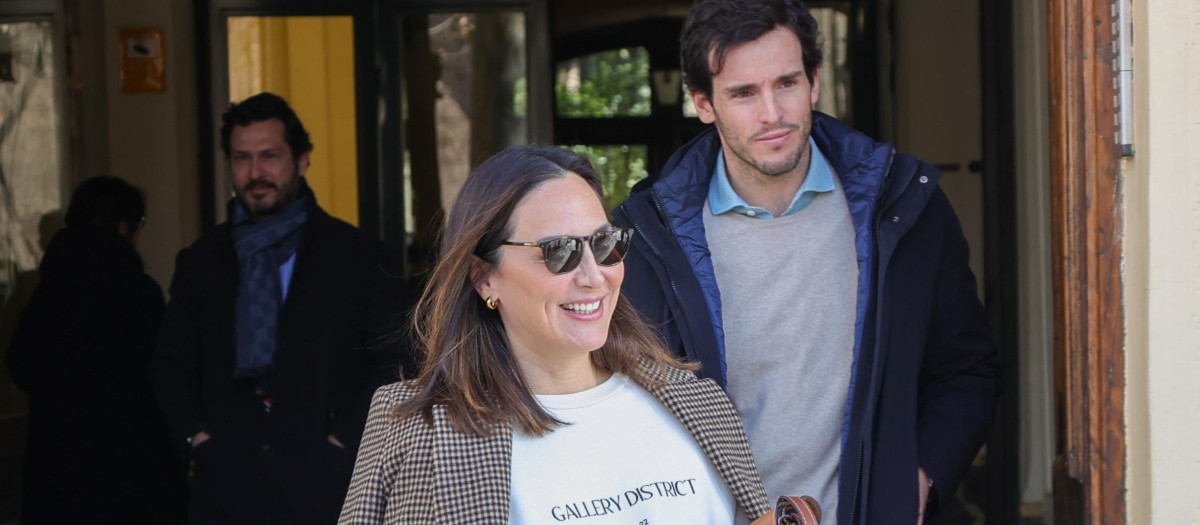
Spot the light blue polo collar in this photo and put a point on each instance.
(722, 198)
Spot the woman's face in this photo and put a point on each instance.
(554, 320)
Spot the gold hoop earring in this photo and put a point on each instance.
(492, 303)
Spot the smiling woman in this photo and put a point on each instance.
(554, 319)
(534, 361)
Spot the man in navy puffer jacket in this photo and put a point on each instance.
(817, 275)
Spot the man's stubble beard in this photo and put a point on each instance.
(777, 169)
(285, 197)
(740, 150)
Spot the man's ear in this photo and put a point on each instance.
(302, 163)
(704, 107)
(815, 88)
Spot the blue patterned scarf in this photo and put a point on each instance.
(261, 249)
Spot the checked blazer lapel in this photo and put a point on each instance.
(418, 473)
(711, 419)
(471, 474)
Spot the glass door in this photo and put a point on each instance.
(33, 188)
(402, 97)
(461, 81)
(464, 95)
(308, 60)
(32, 148)
(319, 56)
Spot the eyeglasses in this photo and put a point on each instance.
(563, 254)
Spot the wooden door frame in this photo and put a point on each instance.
(1086, 228)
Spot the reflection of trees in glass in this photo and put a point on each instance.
(620, 167)
(520, 97)
(835, 70)
(30, 154)
(607, 84)
(612, 83)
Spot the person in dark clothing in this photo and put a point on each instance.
(816, 274)
(98, 448)
(281, 325)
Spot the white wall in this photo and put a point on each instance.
(1162, 267)
(152, 136)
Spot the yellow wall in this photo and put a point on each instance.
(310, 62)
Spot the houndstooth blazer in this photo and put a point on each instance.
(410, 472)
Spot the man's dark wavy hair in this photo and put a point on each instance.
(716, 26)
(261, 107)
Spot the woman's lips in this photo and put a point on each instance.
(589, 316)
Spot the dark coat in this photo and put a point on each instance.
(926, 370)
(338, 341)
(98, 449)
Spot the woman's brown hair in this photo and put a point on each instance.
(468, 365)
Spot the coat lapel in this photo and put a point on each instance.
(711, 419)
(225, 296)
(471, 474)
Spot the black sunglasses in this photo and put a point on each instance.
(562, 254)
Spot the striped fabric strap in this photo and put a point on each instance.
(793, 510)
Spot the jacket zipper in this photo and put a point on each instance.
(659, 255)
(866, 416)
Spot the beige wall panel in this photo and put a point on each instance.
(152, 141)
(1162, 262)
(937, 100)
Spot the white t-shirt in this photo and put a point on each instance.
(622, 458)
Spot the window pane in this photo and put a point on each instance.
(612, 83)
(463, 99)
(835, 71)
(31, 149)
(32, 165)
(689, 107)
(620, 167)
